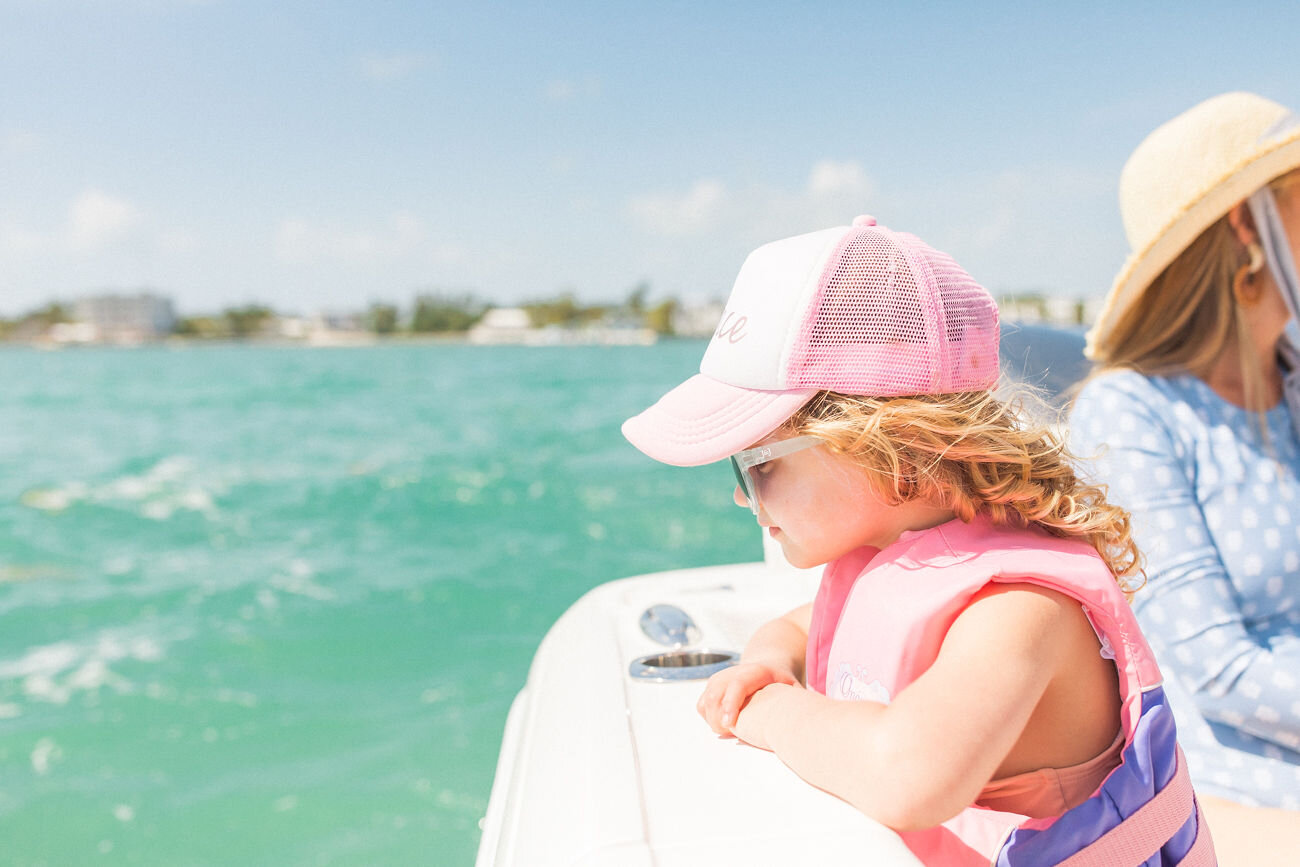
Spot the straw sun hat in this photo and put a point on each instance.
(1185, 176)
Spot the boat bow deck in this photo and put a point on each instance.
(599, 768)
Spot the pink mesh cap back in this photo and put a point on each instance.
(891, 315)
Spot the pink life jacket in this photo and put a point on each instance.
(877, 625)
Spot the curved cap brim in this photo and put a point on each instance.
(704, 420)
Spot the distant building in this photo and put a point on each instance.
(337, 329)
(1040, 307)
(503, 325)
(290, 327)
(123, 318)
(1065, 311)
(513, 325)
(68, 333)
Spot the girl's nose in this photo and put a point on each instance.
(738, 497)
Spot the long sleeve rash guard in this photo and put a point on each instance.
(1215, 502)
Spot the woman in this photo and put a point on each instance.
(1191, 418)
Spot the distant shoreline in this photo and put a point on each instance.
(349, 342)
(358, 340)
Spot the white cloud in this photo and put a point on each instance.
(686, 213)
(1041, 226)
(97, 220)
(569, 90)
(391, 67)
(403, 235)
(692, 241)
(832, 178)
(97, 223)
(178, 240)
(19, 241)
(833, 193)
(1002, 210)
(19, 142)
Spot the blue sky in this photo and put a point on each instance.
(326, 155)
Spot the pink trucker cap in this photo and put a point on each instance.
(856, 309)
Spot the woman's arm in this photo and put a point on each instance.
(1189, 609)
(1255, 836)
(920, 760)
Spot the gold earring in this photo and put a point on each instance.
(1245, 289)
(1256, 254)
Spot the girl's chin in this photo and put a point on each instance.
(797, 558)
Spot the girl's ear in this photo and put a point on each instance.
(1243, 225)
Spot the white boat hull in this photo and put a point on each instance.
(598, 768)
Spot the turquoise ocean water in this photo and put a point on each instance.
(269, 606)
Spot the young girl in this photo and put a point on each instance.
(969, 673)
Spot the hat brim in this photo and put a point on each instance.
(1145, 265)
(704, 420)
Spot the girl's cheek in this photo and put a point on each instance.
(765, 474)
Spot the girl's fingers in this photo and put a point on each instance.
(731, 699)
(726, 693)
(708, 704)
(728, 700)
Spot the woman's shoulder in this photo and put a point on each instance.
(1183, 404)
(1126, 408)
(1118, 402)
(1126, 400)
(1121, 388)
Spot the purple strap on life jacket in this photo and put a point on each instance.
(1144, 833)
(1151, 763)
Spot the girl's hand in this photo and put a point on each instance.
(728, 691)
(751, 726)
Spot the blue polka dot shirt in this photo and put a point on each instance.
(1216, 512)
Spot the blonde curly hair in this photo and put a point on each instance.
(975, 452)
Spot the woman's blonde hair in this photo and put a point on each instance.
(1189, 314)
(1187, 317)
(974, 452)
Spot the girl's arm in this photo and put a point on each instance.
(1190, 611)
(775, 654)
(782, 642)
(919, 761)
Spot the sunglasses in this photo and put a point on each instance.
(743, 463)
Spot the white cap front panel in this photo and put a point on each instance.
(766, 311)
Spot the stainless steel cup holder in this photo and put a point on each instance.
(674, 665)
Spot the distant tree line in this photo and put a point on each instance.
(440, 313)
(432, 312)
(232, 323)
(444, 313)
(34, 321)
(565, 310)
(1038, 304)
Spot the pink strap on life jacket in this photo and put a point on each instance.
(1202, 852)
(1142, 834)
